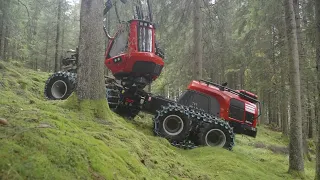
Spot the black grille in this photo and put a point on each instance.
(157, 69)
(236, 109)
(249, 117)
(144, 67)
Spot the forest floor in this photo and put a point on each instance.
(48, 140)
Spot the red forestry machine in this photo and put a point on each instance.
(207, 114)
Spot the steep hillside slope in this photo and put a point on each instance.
(51, 140)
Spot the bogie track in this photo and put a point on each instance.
(201, 129)
(173, 123)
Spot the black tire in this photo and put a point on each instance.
(60, 85)
(215, 133)
(173, 123)
(113, 96)
(127, 111)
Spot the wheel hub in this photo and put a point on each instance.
(215, 137)
(173, 125)
(59, 89)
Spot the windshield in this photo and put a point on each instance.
(145, 37)
(120, 42)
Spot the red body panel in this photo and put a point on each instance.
(128, 60)
(224, 98)
(132, 55)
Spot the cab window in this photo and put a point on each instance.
(185, 98)
(191, 98)
(236, 109)
(207, 103)
(215, 107)
(200, 101)
(120, 43)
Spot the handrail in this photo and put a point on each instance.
(229, 90)
(234, 92)
(106, 32)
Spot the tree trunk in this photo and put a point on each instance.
(317, 8)
(13, 50)
(36, 64)
(33, 32)
(272, 113)
(47, 64)
(313, 122)
(3, 28)
(6, 42)
(56, 56)
(62, 46)
(197, 33)
(303, 90)
(284, 78)
(305, 125)
(90, 73)
(309, 113)
(299, 33)
(284, 109)
(296, 164)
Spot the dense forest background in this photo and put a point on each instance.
(242, 42)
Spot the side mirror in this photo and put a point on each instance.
(108, 6)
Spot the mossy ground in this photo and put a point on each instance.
(54, 140)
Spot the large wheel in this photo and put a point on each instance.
(113, 96)
(60, 85)
(172, 123)
(215, 133)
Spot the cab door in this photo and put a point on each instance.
(208, 104)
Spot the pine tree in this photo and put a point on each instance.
(90, 84)
(296, 163)
(56, 56)
(197, 33)
(317, 8)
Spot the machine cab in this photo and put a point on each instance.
(240, 108)
(132, 54)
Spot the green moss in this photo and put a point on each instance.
(71, 103)
(95, 108)
(22, 84)
(92, 108)
(2, 66)
(297, 174)
(17, 64)
(82, 142)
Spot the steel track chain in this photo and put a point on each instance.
(198, 117)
